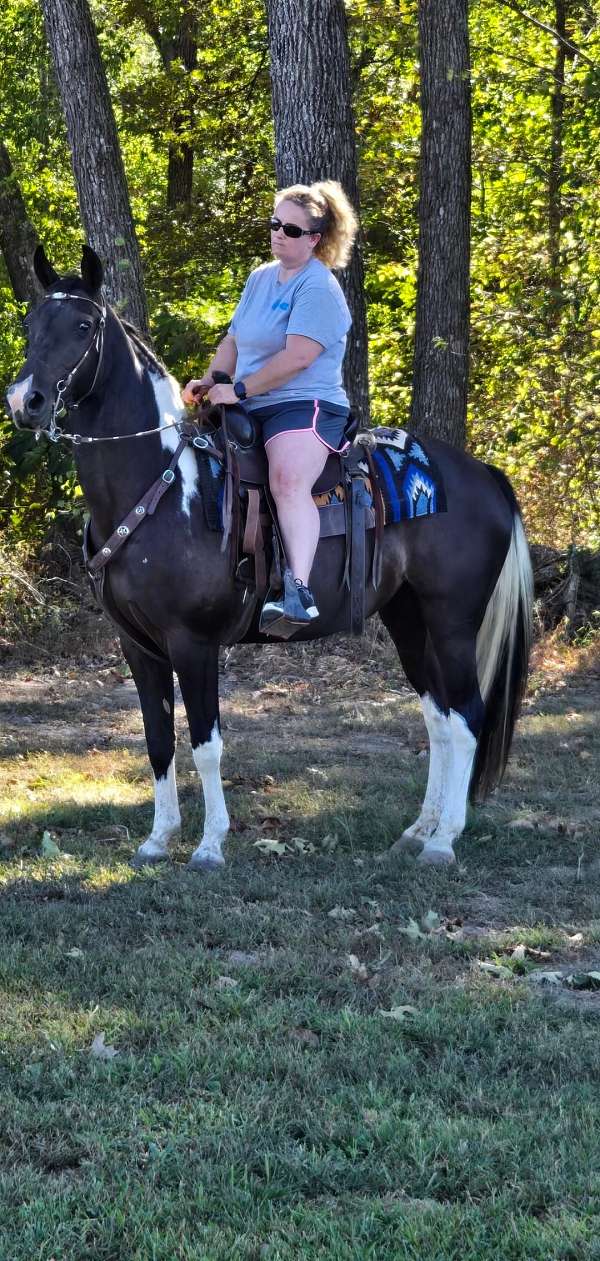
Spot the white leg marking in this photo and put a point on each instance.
(438, 730)
(439, 847)
(170, 408)
(216, 819)
(167, 819)
(15, 397)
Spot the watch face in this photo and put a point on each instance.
(239, 389)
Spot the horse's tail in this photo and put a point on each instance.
(503, 645)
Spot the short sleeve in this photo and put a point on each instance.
(320, 313)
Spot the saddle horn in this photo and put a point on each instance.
(43, 268)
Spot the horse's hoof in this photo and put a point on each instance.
(148, 860)
(437, 858)
(407, 844)
(205, 864)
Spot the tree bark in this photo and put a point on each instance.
(180, 171)
(557, 106)
(95, 153)
(18, 237)
(314, 139)
(441, 362)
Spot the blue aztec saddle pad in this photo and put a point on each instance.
(408, 477)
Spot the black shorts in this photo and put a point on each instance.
(326, 420)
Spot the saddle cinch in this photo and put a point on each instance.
(347, 507)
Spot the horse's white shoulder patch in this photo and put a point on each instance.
(170, 409)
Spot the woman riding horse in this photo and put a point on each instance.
(454, 589)
(285, 347)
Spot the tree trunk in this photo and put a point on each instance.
(441, 363)
(18, 237)
(314, 138)
(557, 106)
(95, 152)
(180, 173)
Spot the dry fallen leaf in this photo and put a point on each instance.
(357, 968)
(268, 846)
(431, 922)
(341, 912)
(583, 981)
(412, 931)
(495, 969)
(226, 983)
(49, 848)
(402, 1013)
(100, 1051)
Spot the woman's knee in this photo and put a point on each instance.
(287, 482)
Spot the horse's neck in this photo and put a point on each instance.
(114, 475)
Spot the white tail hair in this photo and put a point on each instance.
(503, 644)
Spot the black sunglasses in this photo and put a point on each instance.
(290, 229)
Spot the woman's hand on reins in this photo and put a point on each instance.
(222, 394)
(194, 391)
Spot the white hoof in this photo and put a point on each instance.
(205, 862)
(440, 857)
(408, 843)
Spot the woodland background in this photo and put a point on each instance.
(196, 134)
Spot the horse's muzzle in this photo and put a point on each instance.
(29, 408)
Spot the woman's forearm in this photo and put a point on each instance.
(225, 357)
(276, 371)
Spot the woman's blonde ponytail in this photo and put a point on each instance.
(330, 213)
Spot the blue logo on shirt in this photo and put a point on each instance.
(281, 306)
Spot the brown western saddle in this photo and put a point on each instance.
(347, 495)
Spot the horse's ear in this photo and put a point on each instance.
(43, 269)
(92, 271)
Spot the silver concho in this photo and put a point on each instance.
(107, 551)
(140, 510)
(123, 530)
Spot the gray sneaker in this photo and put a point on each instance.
(298, 601)
(295, 603)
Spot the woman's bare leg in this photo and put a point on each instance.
(296, 460)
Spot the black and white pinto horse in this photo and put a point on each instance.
(455, 591)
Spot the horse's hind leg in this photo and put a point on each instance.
(154, 683)
(405, 623)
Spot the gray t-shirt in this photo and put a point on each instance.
(311, 304)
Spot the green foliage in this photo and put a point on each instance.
(535, 342)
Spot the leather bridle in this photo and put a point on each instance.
(61, 404)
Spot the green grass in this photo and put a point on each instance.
(261, 1104)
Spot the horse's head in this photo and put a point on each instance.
(64, 343)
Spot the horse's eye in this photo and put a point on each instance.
(85, 326)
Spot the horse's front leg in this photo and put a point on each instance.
(154, 683)
(197, 666)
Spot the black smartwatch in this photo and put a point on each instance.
(239, 390)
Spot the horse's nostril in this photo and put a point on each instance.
(34, 403)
